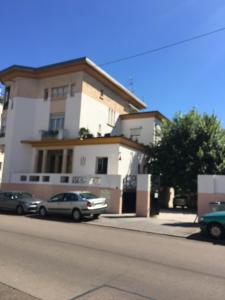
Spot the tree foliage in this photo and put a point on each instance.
(189, 145)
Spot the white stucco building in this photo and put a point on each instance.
(44, 110)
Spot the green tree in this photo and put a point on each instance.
(189, 145)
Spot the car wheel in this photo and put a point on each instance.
(76, 214)
(42, 211)
(216, 231)
(96, 216)
(19, 210)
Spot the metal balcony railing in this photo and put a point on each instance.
(53, 134)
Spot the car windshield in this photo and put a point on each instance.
(22, 196)
(86, 196)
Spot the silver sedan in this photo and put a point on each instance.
(75, 204)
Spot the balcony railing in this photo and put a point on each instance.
(106, 181)
(53, 134)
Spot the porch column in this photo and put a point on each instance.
(44, 161)
(35, 160)
(143, 195)
(64, 160)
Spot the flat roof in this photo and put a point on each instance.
(85, 142)
(69, 66)
(143, 115)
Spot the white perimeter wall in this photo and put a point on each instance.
(211, 184)
(210, 188)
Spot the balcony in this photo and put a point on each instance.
(53, 134)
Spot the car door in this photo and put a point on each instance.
(2, 200)
(53, 204)
(71, 200)
(8, 202)
(12, 201)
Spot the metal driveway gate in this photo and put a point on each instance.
(129, 194)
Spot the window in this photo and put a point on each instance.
(72, 89)
(59, 92)
(135, 133)
(71, 197)
(111, 117)
(87, 196)
(101, 165)
(45, 94)
(56, 122)
(57, 198)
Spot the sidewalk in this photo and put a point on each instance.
(180, 224)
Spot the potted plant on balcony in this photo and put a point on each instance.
(84, 133)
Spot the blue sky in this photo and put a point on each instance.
(36, 33)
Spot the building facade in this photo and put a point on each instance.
(70, 120)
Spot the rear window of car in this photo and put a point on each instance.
(86, 196)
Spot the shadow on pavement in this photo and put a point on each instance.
(120, 216)
(183, 224)
(58, 218)
(204, 238)
(185, 211)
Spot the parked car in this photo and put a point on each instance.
(75, 204)
(185, 200)
(19, 202)
(213, 224)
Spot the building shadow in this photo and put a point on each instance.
(182, 224)
(204, 238)
(59, 218)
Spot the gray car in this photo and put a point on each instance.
(75, 204)
(19, 202)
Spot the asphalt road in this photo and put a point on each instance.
(63, 260)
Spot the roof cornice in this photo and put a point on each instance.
(75, 65)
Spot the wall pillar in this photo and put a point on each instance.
(64, 160)
(143, 195)
(35, 160)
(44, 161)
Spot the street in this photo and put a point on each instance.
(59, 259)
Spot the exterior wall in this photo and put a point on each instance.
(210, 188)
(1, 146)
(92, 88)
(90, 153)
(147, 126)
(19, 126)
(95, 114)
(28, 114)
(129, 160)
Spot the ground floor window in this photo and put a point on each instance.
(101, 165)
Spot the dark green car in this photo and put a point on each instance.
(213, 224)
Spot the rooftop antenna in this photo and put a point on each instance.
(131, 84)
